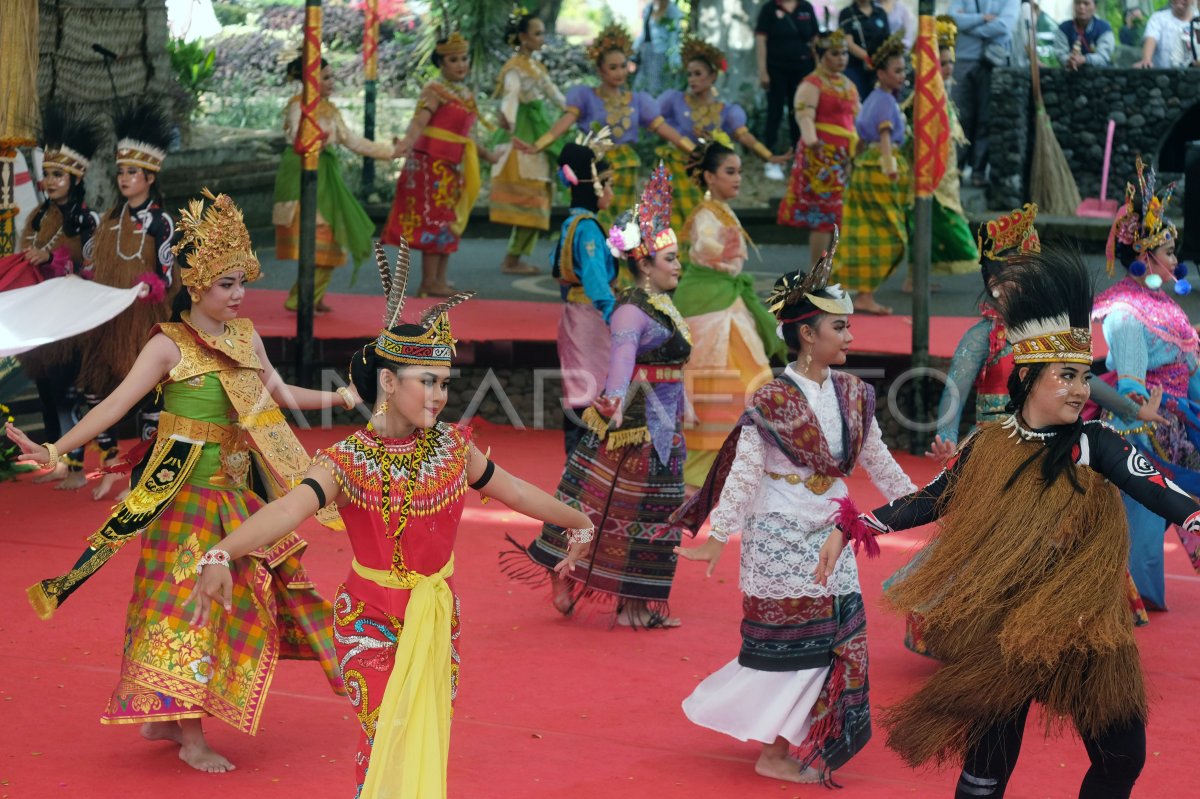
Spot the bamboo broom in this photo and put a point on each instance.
(1051, 184)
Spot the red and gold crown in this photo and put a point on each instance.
(695, 49)
(216, 241)
(455, 44)
(892, 46)
(653, 214)
(611, 37)
(1011, 235)
(432, 344)
(1151, 228)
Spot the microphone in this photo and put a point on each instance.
(104, 51)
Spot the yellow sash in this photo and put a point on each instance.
(837, 130)
(412, 735)
(471, 181)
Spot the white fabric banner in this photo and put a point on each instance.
(57, 309)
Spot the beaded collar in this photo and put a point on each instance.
(1016, 429)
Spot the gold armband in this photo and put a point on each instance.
(687, 145)
(655, 123)
(544, 141)
(762, 152)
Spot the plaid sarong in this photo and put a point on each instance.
(171, 670)
(874, 222)
(627, 174)
(685, 194)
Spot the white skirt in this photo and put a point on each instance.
(753, 705)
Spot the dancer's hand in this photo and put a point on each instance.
(574, 553)
(401, 148)
(522, 146)
(609, 408)
(710, 551)
(30, 452)
(830, 552)
(782, 158)
(37, 256)
(941, 449)
(214, 584)
(1148, 408)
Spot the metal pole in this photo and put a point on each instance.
(370, 74)
(308, 145)
(922, 245)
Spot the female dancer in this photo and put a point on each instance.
(342, 224)
(522, 186)
(876, 205)
(627, 472)
(1152, 345)
(614, 106)
(53, 241)
(401, 483)
(826, 105)
(733, 335)
(587, 276)
(194, 488)
(700, 116)
(1043, 617)
(439, 183)
(132, 245)
(801, 676)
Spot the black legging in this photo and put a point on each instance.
(1117, 757)
(781, 95)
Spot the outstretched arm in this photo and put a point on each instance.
(267, 525)
(297, 398)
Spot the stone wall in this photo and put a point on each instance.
(1146, 105)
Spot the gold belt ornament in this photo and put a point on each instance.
(195, 430)
(816, 483)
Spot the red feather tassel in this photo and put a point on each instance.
(158, 289)
(852, 527)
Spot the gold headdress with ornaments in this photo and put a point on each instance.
(455, 44)
(892, 46)
(1010, 236)
(431, 343)
(612, 37)
(216, 241)
(696, 49)
(798, 288)
(947, 32)
(834, 39)
(1149, 229)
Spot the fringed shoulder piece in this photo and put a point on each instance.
(401, 478)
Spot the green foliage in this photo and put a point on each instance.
(194, 67)
(230, 14)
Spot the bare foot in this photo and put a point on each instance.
(59, 472)
(200, 756)
(73, 481)
(636, 614)
(562, 600)
(519, 268)
(106, 484)
(784, 769)
(162, 731)
(873, 308)
(434, 291)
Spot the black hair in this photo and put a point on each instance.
(708, 159)
(579, 158)
(883, 64)
(517, 25)
(365, 365)
(295, 67)
(1057, 455)
(791, 331)
(632, 265)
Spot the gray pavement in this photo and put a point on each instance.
(476, 266)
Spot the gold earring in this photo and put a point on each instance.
(383, 406)
(807, 363)
(195, 296)
(707, 195)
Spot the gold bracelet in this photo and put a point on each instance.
(347, 398)
(761, 151)
(544, 141)
(687, 145)
(52, 451)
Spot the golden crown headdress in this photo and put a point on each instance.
(611, 37)
(1151, 228)
(796, 287)
(1050, 341)
(892, 46)
(433, 344)
(216, 241)
(696, 49)
(455, 44)
(947, 31)
(834, 39)
(1010, 236)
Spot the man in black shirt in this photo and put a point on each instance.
(867, 26)
(783, 43)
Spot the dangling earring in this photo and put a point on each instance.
(807, 363)
(707, 195)
(383, 406)
(195, 296)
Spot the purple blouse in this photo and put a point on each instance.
(673, 106)
(880, 110)
(634, 331)
(643, 112)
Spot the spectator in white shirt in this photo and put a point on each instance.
(1171, 40)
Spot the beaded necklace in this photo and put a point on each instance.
(1013, 425)
(618, 111)
(120, 235)
(706, 114)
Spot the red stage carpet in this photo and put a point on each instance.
(356, 316)
(549, 708)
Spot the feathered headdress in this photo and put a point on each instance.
(800, 295)
(69, 138)
(695, 49)
(611, 37)
(892, 46)
(215, 240)
(646, 229)
(1010, 236)
(1142, 226)
(1046, 307)
(947, 32)
(143, 131)
(427, 343)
